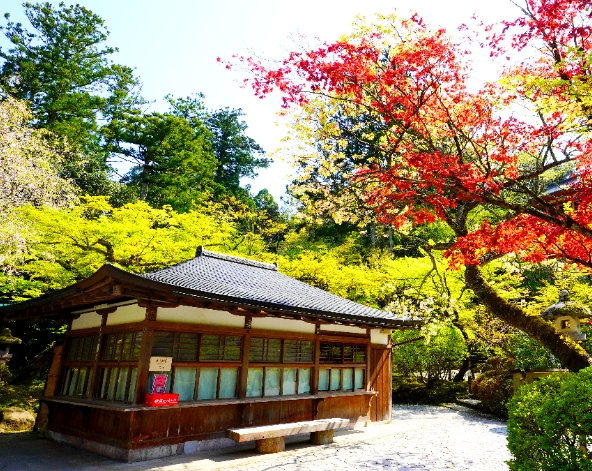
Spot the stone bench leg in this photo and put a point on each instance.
(322, 438)
(270, 445)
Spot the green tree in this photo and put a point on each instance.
(64, 246)
(63, 69)
(173, 161)
(238, 155)
(432, 359)
(29, 164)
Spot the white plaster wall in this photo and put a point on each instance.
(126, 314)
(87, 321)
(195, 315)
(378, 338)
(342, 328)
(287, 325)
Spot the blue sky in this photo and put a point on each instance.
(173, 46)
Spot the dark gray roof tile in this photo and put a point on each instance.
(259, 283)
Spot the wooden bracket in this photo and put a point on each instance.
(107, 310)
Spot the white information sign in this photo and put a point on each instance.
(161, 363)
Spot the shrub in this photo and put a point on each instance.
(431, 361)
(407, 390)
(550, 424)
(493, 386)
(25, 396)
(529, 354)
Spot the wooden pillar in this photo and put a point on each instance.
(54, 372)
(314, 383)
(244, 371)
(145, 354)
(369, 371)
(95, 369)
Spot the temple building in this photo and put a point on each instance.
(218, 342)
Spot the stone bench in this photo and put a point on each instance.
(270, 438)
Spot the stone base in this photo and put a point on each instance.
(189, 447)
(321, 438)
(141, 454)
(270, 445)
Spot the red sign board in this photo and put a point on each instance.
(161, 400)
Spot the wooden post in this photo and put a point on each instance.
(314, 386)
(145, 354)
(244, 370)
(54, 372)
(95, 368)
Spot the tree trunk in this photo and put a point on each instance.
(390, 240)
(144, 178)
(568, 352)
(460, 375)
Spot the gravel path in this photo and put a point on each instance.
(419, 438)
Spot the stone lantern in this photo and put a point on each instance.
(6, 340)
(566, 316)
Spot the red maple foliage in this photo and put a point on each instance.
(448, 151)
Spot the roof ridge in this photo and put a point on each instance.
(201, 252)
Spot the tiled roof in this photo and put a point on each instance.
(261, 284)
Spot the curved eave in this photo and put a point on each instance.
(51, 299)
(110, 272)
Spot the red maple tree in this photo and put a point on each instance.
(449, 152)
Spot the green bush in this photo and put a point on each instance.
(529, 354)
(25, 396)
(407, 390)
(493, 385)
(550, 424)
(429, 361)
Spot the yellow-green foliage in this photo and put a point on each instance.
(64, 246)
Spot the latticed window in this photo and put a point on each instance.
(205, 383)
(82, 348)
(298, 351)
(341, 379)
(197, 347)
(180, 346)
(122, 346)
(280, 351)
(342, 353)
(77, 368)
(76, 381)
(118, 370)
(220, 348)
(205, 379)
(278, 380)
(118, 384)
(265, 350)
(273, 381)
